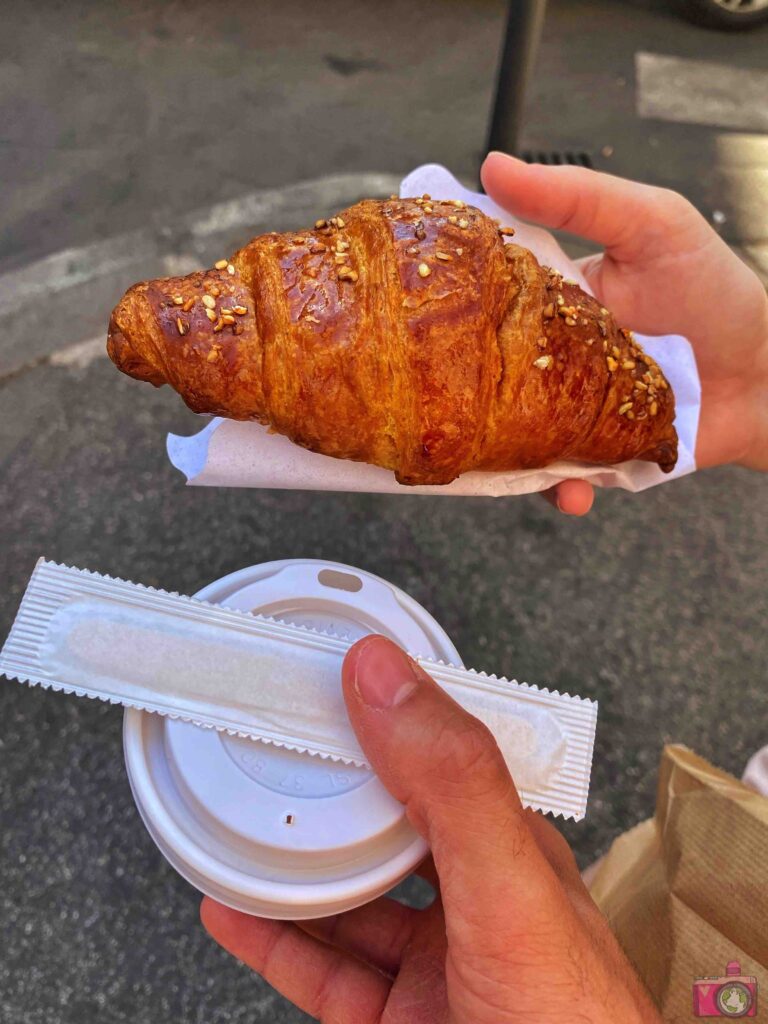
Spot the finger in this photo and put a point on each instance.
(593, 268)
(572, 497)
(554, 847)
(376, 933)
(631, 220)
(559, 854)
(320, 980)
(419, 992)
(446, 768)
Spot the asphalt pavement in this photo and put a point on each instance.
(125, 130)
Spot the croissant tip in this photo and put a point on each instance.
(126, 359)
(666, 456)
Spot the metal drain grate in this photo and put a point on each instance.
(580, 159)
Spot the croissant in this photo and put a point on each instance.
(408, 334)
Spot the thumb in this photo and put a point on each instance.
(445, 766)
(633, 221)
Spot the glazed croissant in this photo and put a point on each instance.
(407, 334)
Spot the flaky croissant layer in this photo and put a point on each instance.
(407, 334)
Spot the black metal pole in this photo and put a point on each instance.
(525, 20)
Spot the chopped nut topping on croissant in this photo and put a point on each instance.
(402, 335)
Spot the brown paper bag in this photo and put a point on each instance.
(687, 891)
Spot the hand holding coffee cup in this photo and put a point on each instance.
(512, 934)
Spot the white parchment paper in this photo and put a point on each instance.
(227, 453)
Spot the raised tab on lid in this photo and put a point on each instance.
(338, 598)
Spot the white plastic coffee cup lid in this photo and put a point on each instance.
(271, 831)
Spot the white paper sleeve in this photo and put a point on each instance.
(94, 636)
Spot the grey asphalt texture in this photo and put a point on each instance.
(655, 604)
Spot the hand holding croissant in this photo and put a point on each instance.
(663, 269)
(407, 334)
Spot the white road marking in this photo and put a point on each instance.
(701, 92)
(71, 267)
(81, 354)
(179, 264)
(270, 203)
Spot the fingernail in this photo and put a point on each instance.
(384, 674)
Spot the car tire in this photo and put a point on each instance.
(713, 15)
